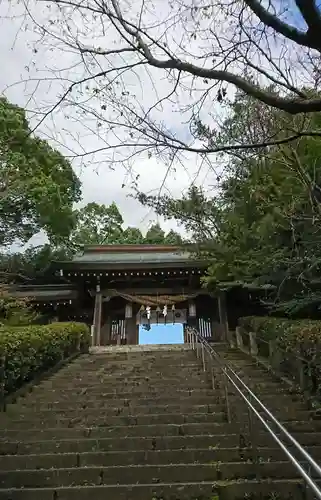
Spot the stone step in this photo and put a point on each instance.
(138, 393)
(133, 443)
(220, 490)
(99, 385)
(146, 430)
(142, 474)
(120, 420)
(119, 370)
(101, 388)
(131, 362)
(142, 457)
(111, 380)
(105, 393)
(101, 419)
(31, 403)
(273, 403)
(96, 410)
(139, 425)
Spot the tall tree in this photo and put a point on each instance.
(96, 225)
(263, 225)
(37, 184)
(173, 238)
(31, 265)
(200, 52)
(132, 236)
(155, 234)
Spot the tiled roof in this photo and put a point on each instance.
(44, 293)
(126, 257)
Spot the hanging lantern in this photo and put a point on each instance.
(148, 311)
(128, 310)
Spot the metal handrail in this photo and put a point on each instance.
(194, 337)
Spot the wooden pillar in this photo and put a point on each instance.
(131, 331)
(97, 318)
(223, 317)
(105, 333)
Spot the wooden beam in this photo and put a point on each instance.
(152, 291)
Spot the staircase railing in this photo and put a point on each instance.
(202, 348)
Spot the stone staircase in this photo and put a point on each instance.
(145, 424)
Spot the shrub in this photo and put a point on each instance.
(33, 349)
(15, 311)
(294, 339)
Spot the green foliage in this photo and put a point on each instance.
(268, 328)
(155, 234)
(294, 338)
(33, 263)
(132, 236)
(193, 211)
(173, 238)
(15, 311)
(31, 350)
(96, 225)
(263, 224)
(38, 185)
(102, 225)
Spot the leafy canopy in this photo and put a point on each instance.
(37, 184)
(101, 224)
(94, 225)
(263, 224)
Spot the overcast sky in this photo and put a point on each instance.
(100, 183)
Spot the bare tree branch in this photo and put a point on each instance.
(142, 74)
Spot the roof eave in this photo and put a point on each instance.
(128, 266)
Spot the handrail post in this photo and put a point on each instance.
(3, 382)
(197, 344)
(203, 357)
(239, 338)
(308, 494)
(253, 344)
(252, 436)
(227, 402)
(213, 378)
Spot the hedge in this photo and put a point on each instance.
(295, 339)
(30, 350)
